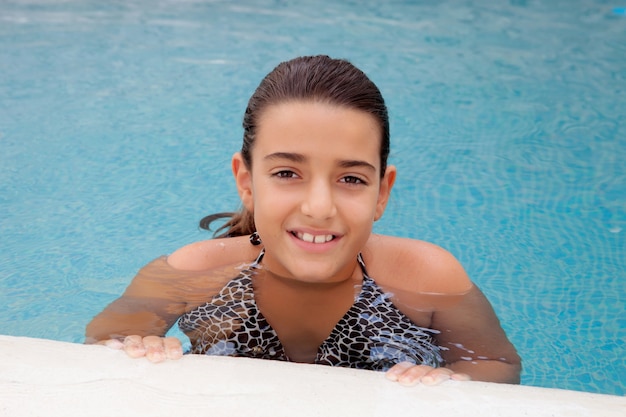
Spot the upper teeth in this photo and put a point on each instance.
(307, 237)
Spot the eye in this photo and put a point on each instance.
(285, 173)
(351, 179)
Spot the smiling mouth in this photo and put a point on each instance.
(307, 237)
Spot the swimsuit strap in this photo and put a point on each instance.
(359, 259)
(258, 259)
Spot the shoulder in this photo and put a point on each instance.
(192, 273)
(214, 253)
(414, 265)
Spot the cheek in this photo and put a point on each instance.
(361, 209)
(271, 206)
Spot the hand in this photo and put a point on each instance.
(409, 374)
(154, 348)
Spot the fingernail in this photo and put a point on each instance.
(392, 376)
(407, 382)
(156, 357)
(428, 380)
(176, 354)
(114, 344)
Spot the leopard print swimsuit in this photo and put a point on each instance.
(373, 334)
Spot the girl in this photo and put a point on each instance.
(297, 273)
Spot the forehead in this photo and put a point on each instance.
(313, 127)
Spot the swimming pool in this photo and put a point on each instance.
(118, 120)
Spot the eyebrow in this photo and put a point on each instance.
(299, 158)
(293, 157)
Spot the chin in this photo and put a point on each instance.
(315, 273)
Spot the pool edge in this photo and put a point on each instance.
(39, 376)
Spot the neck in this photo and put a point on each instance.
(352, 275)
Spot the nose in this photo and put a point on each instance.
(319, 202)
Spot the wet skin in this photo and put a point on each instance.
(315, 189)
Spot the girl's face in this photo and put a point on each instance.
(315, 188)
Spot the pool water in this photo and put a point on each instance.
(118, 120)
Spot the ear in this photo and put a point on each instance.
(386, 184)
(243, 179)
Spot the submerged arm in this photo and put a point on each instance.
(439, 295)
(474, 342)
(162, 291)
(149, 306)
(158, 295)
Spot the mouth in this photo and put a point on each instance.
(310, 238)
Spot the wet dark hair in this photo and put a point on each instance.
(309, 78)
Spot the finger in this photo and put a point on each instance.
(113, 344)
(398, 369)
(436, 376)
(133, 346)
(410, 374)
(413, 375)
(173, 348)
(155, 351)
(460, 377)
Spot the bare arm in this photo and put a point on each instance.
(149, 306)
(475, 342)
(161, 292)
(155, 298)
(433, 290)
(474, 345)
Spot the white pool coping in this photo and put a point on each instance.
(49, 378)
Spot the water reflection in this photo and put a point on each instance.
(245, 310)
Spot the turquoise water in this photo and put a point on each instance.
(118, 120)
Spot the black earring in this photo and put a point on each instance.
(255, 239)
